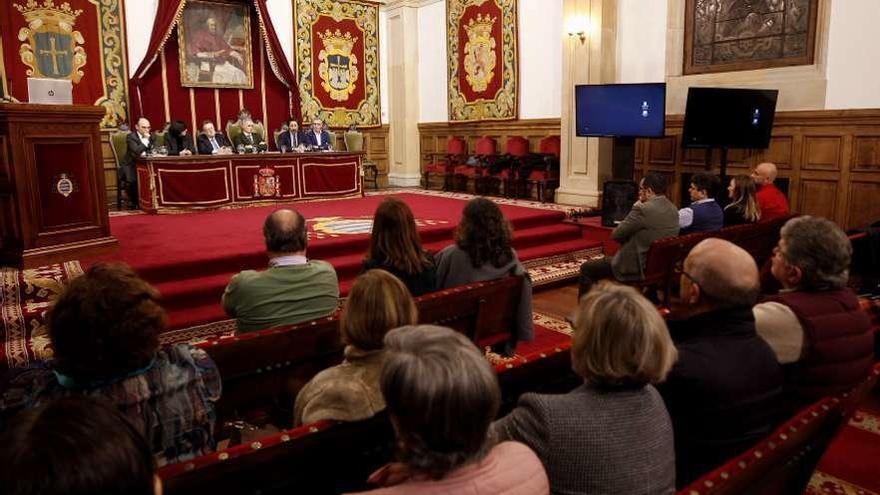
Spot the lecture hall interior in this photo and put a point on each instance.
(440, 247)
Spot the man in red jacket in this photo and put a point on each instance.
(816, 325)
(771, 200)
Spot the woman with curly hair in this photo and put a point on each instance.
(395, 247)
(482, 251)
(743, 207)
(105, 330)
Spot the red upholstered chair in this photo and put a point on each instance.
(544, 172)
(485, 154)
(516, 151)
(444, 164)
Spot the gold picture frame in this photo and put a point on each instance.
(215, 46)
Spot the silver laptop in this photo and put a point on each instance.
(50, 91)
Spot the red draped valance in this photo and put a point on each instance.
(157, 94)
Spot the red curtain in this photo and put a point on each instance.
(157, 94)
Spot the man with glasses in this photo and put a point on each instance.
(725, 391)
(140, 143)
(815, 323)
(652, 217)
(704, 214)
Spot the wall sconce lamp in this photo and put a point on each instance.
(578, 26)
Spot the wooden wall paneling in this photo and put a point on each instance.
(109, 164)
(662, 151)
(864, 206)
(830, 157)
(822, 152)
(818, 197)
(866, 153)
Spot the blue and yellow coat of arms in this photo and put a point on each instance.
(52, 47)
(338, 68)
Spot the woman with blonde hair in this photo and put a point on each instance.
(396, 248)
(378, 302)
(613, 433)
(743, 207)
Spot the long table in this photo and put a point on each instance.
(202, 182)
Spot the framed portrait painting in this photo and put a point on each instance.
(215, 46)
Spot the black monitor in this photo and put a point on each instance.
(729, 118)
(620, 110)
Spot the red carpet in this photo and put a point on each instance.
(191, 257)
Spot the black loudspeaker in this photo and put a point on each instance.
(618, 197)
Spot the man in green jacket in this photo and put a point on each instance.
(294, 289)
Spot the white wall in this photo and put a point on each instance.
(281, 13)
(383, 65)
(433, 85)
(139, 17)
(853, 68)
(540, 59)
(641, 41)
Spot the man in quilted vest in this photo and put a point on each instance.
(815, 325)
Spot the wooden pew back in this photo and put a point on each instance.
(262, 367)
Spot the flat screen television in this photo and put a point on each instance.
(620, 110)
(729, 118)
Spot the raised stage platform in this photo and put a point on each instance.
(190, 257)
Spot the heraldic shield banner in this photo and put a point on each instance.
(482, 47)
(337, 61)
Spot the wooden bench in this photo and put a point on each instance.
(665, 256)
(269, 367)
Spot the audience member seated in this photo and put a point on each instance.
(249, 140)
(211, 142)
(652, 217)
(482, 251)
(725, 392)
(612, 434)
(105, 330)
(771, 200)
(318, 138)
(76, 446)
(442, 396)
(743, 207)
(378, 302)
(291, 139)
(178, 140)
(139, 143)
(396, 248)
(815, 325)
(704, 213)
(294, 289)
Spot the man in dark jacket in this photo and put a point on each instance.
(139, 143)
(291, 140)
(211, 142)
(725, 392)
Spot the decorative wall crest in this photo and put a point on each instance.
(339, 66)
(52, 48)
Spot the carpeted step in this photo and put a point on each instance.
(197, 301)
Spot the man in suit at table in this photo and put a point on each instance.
(248, 137)
(291, 139)
(317, 137)
(139, 143)
(211, 142)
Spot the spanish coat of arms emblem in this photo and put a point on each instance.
(267, 184)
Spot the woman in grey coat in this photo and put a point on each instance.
(612, 434)
(482, 251)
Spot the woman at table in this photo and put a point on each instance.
(178, 140)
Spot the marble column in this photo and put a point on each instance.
(403, 92)
(589, 58)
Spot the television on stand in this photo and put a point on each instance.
(728, 118)
(623, 112)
